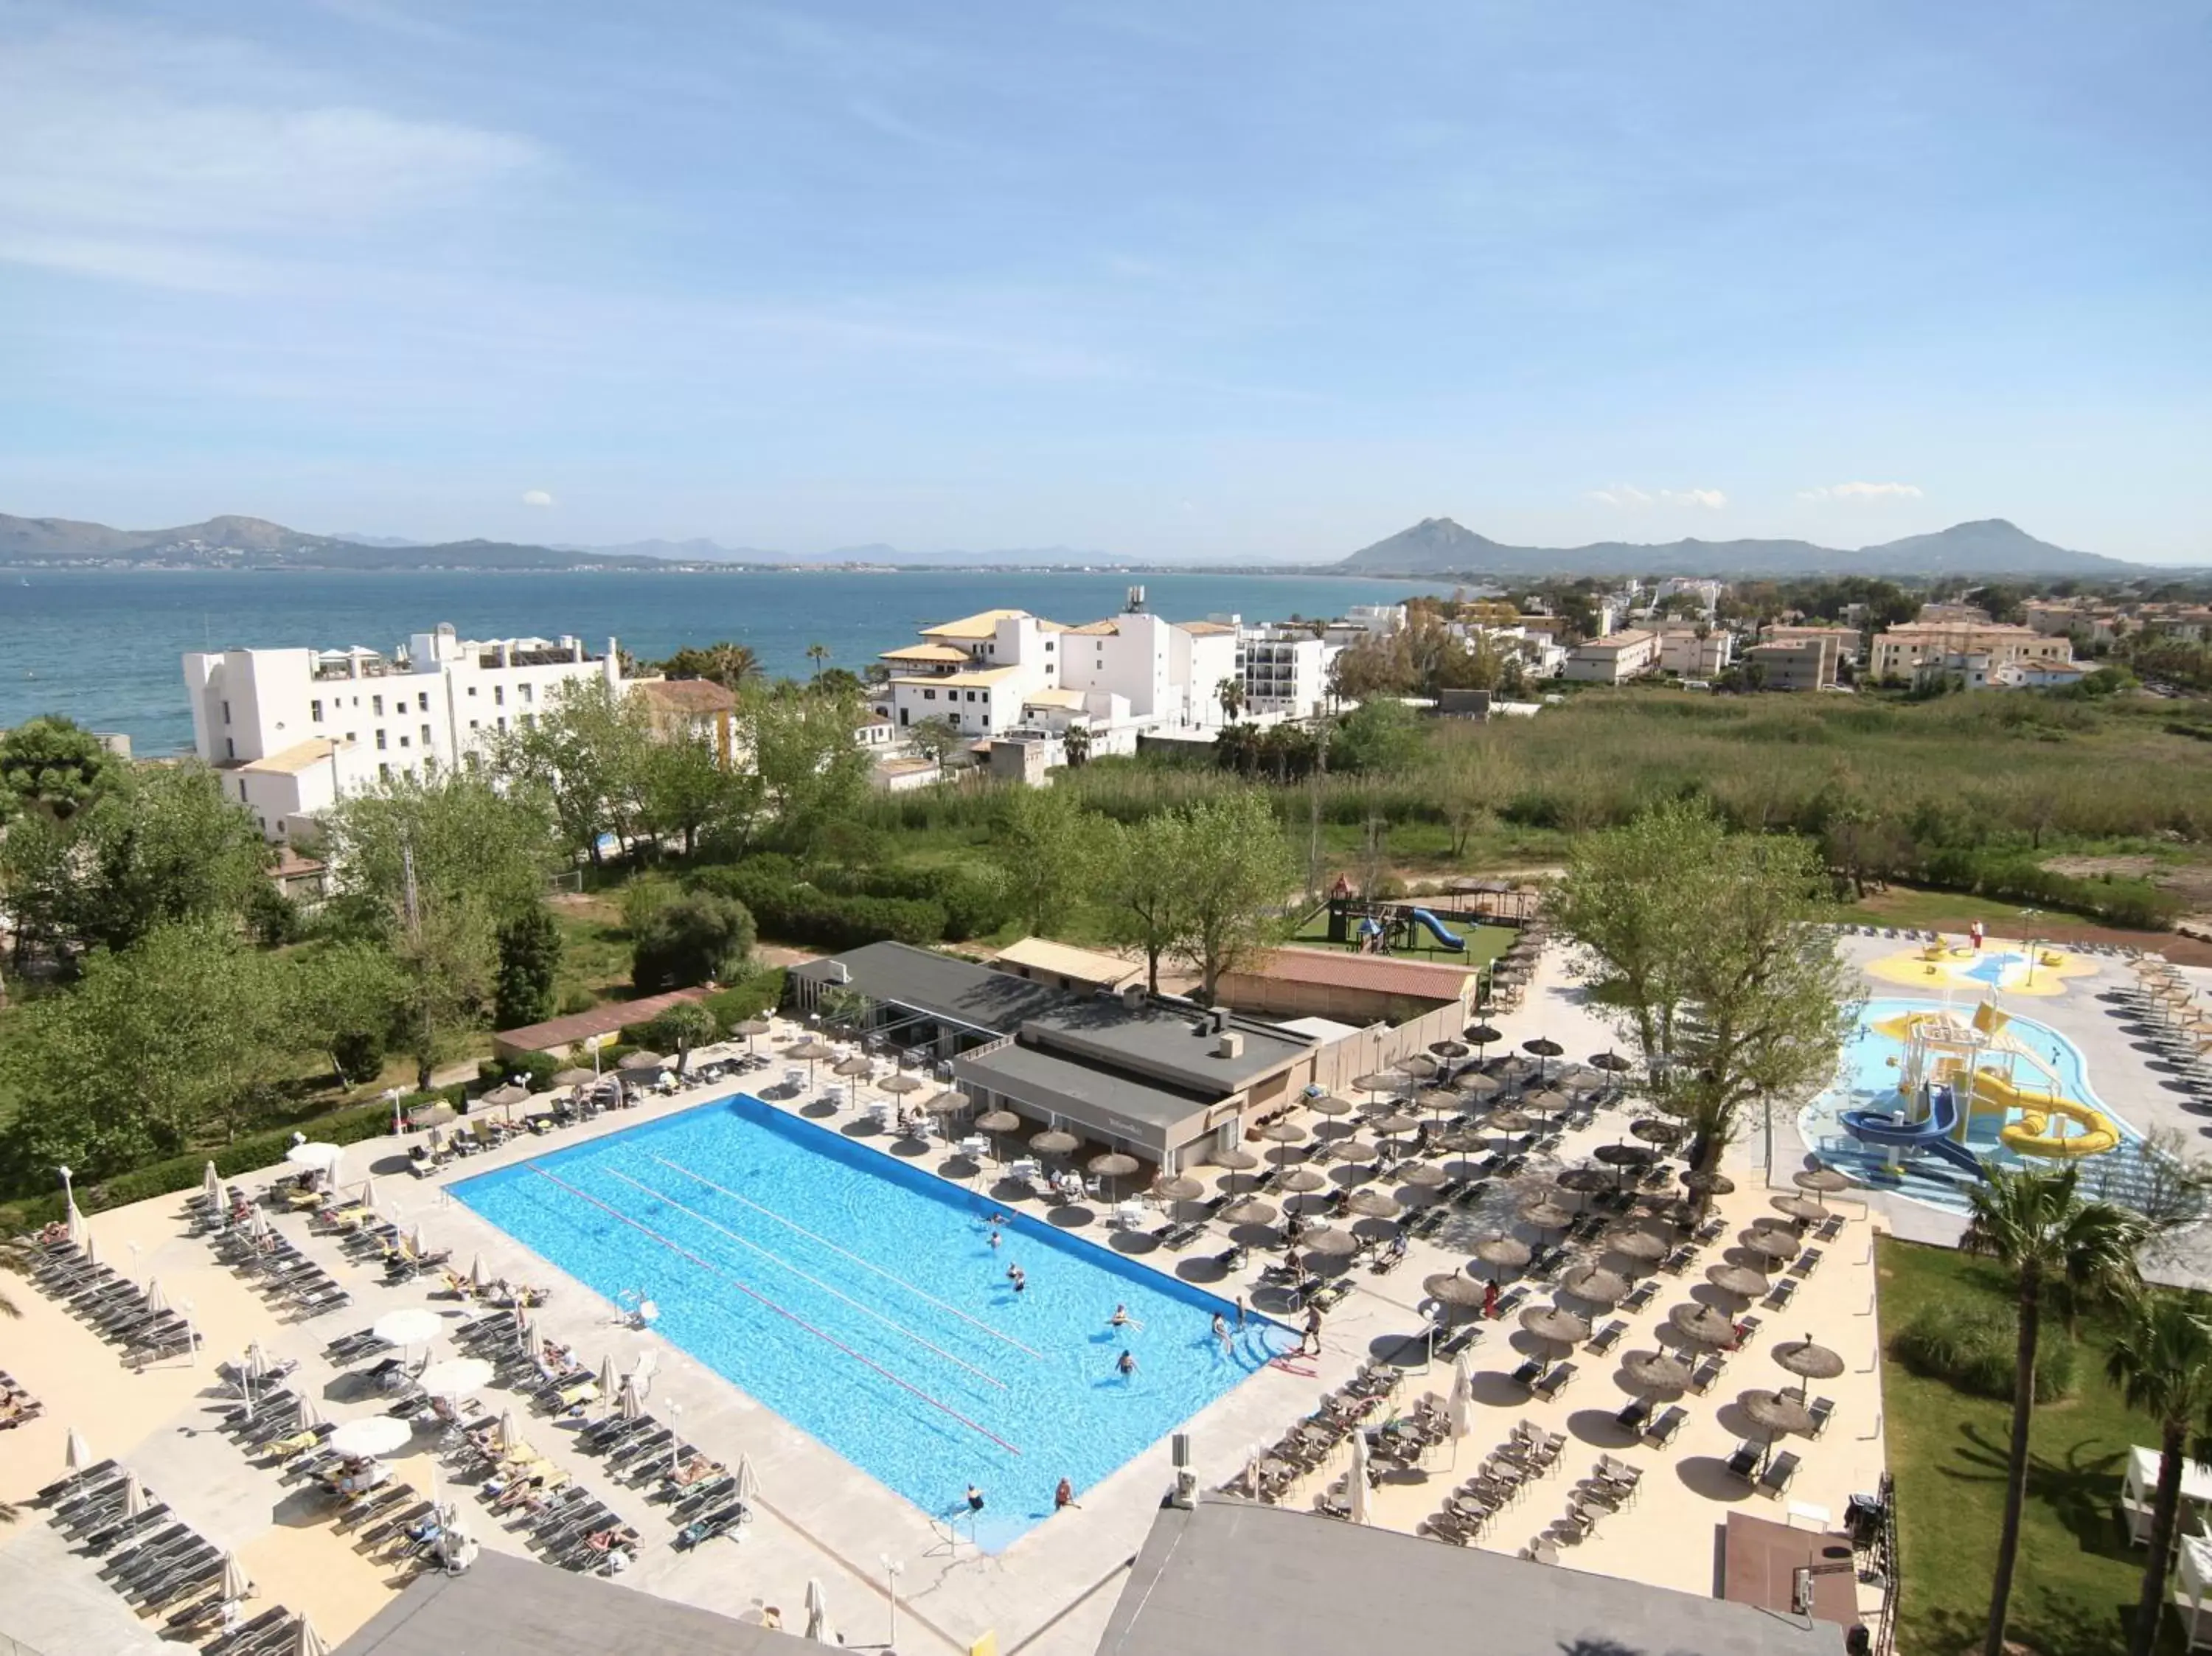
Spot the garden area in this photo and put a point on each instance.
(2078, 1577)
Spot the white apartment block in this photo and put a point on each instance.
(1903, 652)
(1366, 620)
(1613, 660)
(292, 731)
(1695, 651)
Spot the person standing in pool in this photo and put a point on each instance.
(1064, 1497)
(994, 1239)
(1126, 1364)
(1018, 1278)
(1122, 1319)
(1221, 1333)
(1240, 1313)
(975, 1502)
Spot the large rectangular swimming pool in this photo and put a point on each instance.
(861, 1299)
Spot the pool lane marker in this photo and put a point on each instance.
(868, 1310)
(827, 1339)
(886, 1275)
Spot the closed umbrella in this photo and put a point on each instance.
(1178, 1187)
(1298, 1181)
(308, 1642)
(1356, 1501)
(134, 1494)
(236, 1584)
(368, 1197)
(1460, 1401)
(631, 1403)
(1701, 1323)
(1596, 1284)
(1448, 1048)
(1250, 1211)
(1507, 1252)
(479, 1278)
(818, 1611)
(1548, 1322)
(1373, 1204)
(1054, 1142)
(211, 1182)
(1454, 1288)
(510, 1431)
(1739, 1280)
(1380, 1081)
(1544, 1103)
(1657, 1371)
(257, 1361)
(415, 1241)
(901, 1082)
(75, 1456)
(157, 1300)
(1337, 1244)
(998, 1121)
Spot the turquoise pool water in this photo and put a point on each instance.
(861, 1299)
(1867, 1079)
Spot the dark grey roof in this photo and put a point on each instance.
(509, 1606)
(942, 987)
(1164, 1041)
(1109, 1097)
(1229, 1575)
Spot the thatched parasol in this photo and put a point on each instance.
(1657, 1371)
(998, 1121)
(1422, 1175)
(1700, 1183)
(1701, 1323)
(1454, 1289)
(1808, 1361)
(1236, 1161)
(1822, 1181)
(1546, 1214)
(1638, 1245)
(1548, 1322)
(1584, 1182)
(1507, 1252)
(1251, 1210)
(1054, 1142)
(1652, 1130)
(1334, 1243)
(1775, 1411)
(1739, 1280)
(1330, 1104)
(1374, 1204)
(1281, 1132)
(1300, 1180)
(1177, 1187)
(1797, 1207)
(1596, 1284)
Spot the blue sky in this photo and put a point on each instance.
(1250, 278)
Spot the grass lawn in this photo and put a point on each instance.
(2077, 1579)
(594, 949)
(1485, 944)
(1944, 911)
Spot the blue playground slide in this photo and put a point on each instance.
(1880, 1127)
(1370, 927)
(1434, 927)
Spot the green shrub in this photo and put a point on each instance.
(700, 935)
(1975, 1349)
(578, 999)
(539, 1068)
(789, 908)
(754, 995)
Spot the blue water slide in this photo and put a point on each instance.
(1933, 1135)
(1435, 928)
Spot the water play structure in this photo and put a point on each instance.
(1953, 1073)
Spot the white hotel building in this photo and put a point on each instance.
(291, 731)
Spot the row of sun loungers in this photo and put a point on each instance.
(115, 1308)
(156, 1565)
(17, 1406)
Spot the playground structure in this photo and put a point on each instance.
(1380, 927)
(1954, 1073)
(1963, 963)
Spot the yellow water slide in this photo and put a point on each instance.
(2045, 1119)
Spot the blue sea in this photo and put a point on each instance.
(104, 646)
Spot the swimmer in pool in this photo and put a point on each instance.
(1221, 1331)
(994, 1239)
(1122, 1319)
(1126, 1363)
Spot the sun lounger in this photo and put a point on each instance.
(1663, 1431)
(1744, 1463)
(1821, 1409)
(1778, 1475)
(1554, 1381)
(1778, 1297)
(1606, 1338)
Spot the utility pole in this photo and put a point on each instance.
(411, 904)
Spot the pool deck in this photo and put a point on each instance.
(1050, 1593)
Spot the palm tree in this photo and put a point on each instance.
(732, 666)
(817, 653)
(2162, 1359)
(2037, 1226)
(1230, 693)
(1078, 745)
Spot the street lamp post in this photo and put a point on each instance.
(891, 1569)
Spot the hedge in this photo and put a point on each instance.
(791, 909)
(754, 995)
(539, 1067)
(2123, 902)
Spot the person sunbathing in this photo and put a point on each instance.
(693, 1470)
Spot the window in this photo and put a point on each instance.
(379, 740)
(903, 714)
(383, 773)
(529, 691)
(376, 707)
(241, 789)
(473, 723)
(499, 697)
(528, 719)
(426, 736)
(350, 735)
(929, 695)
(229, 748)
(422, 702)
(403, 738)
(315, 711)
(473, 690)
(226, 713)
(502, 721)
(429, 764)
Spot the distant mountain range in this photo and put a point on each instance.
(1990, 548)
(1433, 547)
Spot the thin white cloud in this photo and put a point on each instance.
(536, 497)
(1627, 496)
(1862, 492)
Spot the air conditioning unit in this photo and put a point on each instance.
(1229, 1044)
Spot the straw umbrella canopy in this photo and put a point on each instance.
(500, 1098)
(1112, 1164)
(1380, 1081)
(1545, 1102)
(570, 1077)
(1448, 1048)
(1250, 1210)
(1281, 1132)
(1612, 1063)
(1355, 1481)
(1394, 1123)
(1437, 1100)
(629, 1405)
(1507, 1252)
(1698, 1182)
(1510, 1121)
(1797, 1207)
(1638, 1245)
(1054, 1142)
(1584, 1182)
(1475, 1085)
(1465, 1140)
(1775, 1411)
(1654, 1130)
(1419, 1066)
(1626, 1155)
(1338, 1244)
(1460, 1403)
(902, 1082)
(1701, 1323)
(1821, 1181)
(1596, 1284)
(1739, 1280)
(610, 1384)
(1543, 1050)
(305, 1416)
(1374, 1204)
(998, 1121)
(1423, 1176)
(1330, 1104)
(642, 1062)
(1236, 1161)
(1774, 1244)
(1657, 1371)
(1177, 1187)
(1482, 1034)
(1452, 1288)
(1301, 1180)
(1548, 1322)
(1808, 1361)
(1546, 1214)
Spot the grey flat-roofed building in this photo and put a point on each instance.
(508, 1606)
(1151, 1119)
(908, 984)
(1230, 1575)
(1181, 1045)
